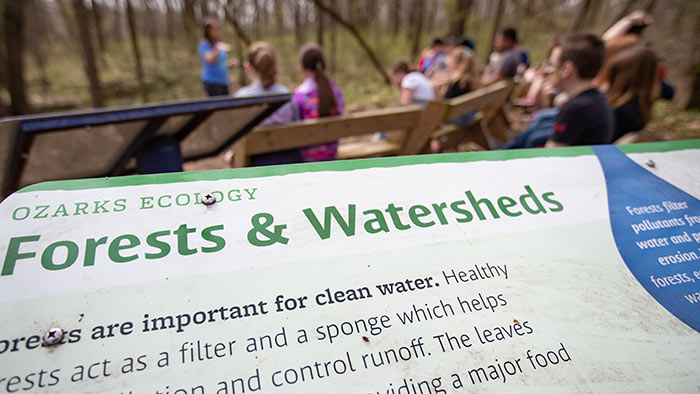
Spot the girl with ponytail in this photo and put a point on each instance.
(261, 66)
(317, 97)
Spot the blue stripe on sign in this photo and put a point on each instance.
(657, 231)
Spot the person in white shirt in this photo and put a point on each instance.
(414, 87)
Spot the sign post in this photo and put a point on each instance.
(560, 270)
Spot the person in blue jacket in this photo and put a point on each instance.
(215, 64)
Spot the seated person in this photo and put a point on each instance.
(629, 30)
(432, 58)
(634, 23)
(317, 97)
(462, 76)
(537, 84)
(631, 79)
(261, 66)
(537, 132)
(503, 66)
(414, 87)
(586, 118)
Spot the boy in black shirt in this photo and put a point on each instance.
(586, 119)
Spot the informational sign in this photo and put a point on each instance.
(558, 270)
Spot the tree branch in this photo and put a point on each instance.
(363, 44)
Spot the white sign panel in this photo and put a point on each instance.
(567, 270)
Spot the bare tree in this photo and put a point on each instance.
(231, 12)
(97, 18)
(188, 17)
(319, 26)
(298, 29)
(279, 17)
(429, 15)
(152, 26)
(257, 16)
(13, 23)
(417, 19)
(458, 17)
(650, 6)
(693, 70)
(137, 52)
(581, 15)
(38, 33)
(170, 29)
(85, 38)
(529, 8)
(395, 16)
(372, 57)
(116, 27)
(496, 24)
(626, 8)
(334, 42)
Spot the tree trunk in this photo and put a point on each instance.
(418, 7)
(279, 17)
(13, 21)
(459, 17)
(529, 8)
(298, 33)
(137, 52)
(39, 33)
(372, 57)
(256, 21)
(370, 12)
(626, 8)
(694, 100)
(650, 6)
(264, 15)
(152, 27)
(593, 14)
(188, 18)
(91, 69)
(581, 15)
(429, 16)
(232, 17)
(334, 44)
(694, 69)
(395, 16)
(97, 16)
(496, 24)
(170, 29)
(319, 26)
(116, 31)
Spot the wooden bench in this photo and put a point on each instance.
(415, 123)
(489, 124)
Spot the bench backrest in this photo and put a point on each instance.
(316, 131)
(418, 123)
(488, 98)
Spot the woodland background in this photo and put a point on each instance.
(66, 54)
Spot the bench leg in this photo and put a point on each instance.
(240, 156)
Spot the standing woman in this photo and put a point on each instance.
(215, 64)
(317, 97)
